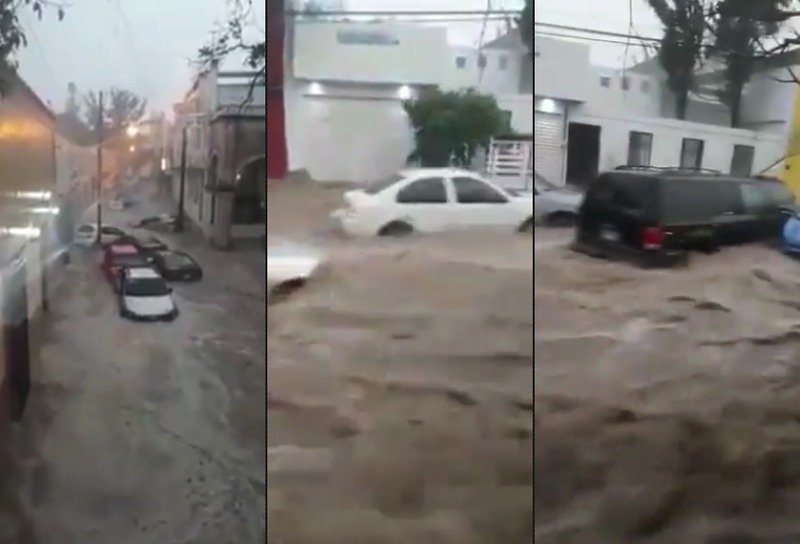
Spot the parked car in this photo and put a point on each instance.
(655, 216)
(117, 257)
(176, 266)
(145, 244)
(145, 295)
(553, 205)
(433, 200)
(288, 268)
(86, 235)
(161, 221)
(116, 204)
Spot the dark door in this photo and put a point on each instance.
(16, 344)
(583, 153)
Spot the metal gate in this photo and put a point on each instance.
(549, 146)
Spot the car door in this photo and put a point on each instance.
(424, 204)
(479, 205)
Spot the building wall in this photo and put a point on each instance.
(346, 132)
(370, 52)
(667, 140)
(520, 106)
(562, 69)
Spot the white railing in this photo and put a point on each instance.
(510, 163)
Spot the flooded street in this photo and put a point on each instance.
(667, 402)
(146, 432)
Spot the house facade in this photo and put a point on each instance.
(589, 119)
(222, 120)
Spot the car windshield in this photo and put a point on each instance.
(146, 287)
(175, 261)
(376, 187)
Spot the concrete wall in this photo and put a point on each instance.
(562, 69)
(668, 137)
(521, 108)
(370, 52)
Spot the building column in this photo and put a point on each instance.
(221, 229)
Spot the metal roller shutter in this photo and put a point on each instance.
(548, 150)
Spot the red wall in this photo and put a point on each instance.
(276, 131)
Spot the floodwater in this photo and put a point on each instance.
(668, 402)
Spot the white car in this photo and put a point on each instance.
(555, 206)
(145, 295)
(116, 204)
(288, 268)
(433, 200)
(86, 235)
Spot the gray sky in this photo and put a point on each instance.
(611, 15)
(141, 45)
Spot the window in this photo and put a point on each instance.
(474, 191)
(754, 197)
(503, 62)
(742, 160)
(778, 193)
(461, 62)
(481, 61)
(626, 83)
(366, 37)
(696, 201)
(506, 117)
(423, 191)
(640, 147)
(645, 86)
(377, 186)
(605, 81)
(692, 153)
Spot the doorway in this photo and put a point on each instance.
(583, 153)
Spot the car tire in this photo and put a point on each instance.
(561, 219)
(396, 229)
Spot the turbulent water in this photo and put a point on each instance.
(667, 402)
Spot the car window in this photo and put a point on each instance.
(127, 260)
(112, 230)
(86, 229)
(176, 260)
(755, 197)
(779, 194)
(423, 191)
(146, 287)
(696, 201)
(377, 186)
(474, 191)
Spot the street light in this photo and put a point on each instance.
(132, 131)
(132, 148)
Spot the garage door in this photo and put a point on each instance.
(548, 150)
(355, 140)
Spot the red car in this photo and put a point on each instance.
(119, 256)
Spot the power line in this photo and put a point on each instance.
(396, 13)
(590, 39)
(597, 32)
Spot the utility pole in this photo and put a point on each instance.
(182, 187)
(99, 166)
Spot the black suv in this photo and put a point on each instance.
(655, 216)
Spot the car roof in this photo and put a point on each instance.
(142, 272)
(123, 249)
(447, 172)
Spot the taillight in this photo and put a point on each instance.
(652, 238)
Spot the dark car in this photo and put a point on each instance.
(657, 216)
(145, 244)
(177, 266)
(117, 257)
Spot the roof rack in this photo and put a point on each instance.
(678, 169)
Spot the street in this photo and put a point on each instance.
(146, 433)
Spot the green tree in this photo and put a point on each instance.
(681, 51)
(525, 25)
(120, 109)
(450, 127)
(233, 36)
(739, 28)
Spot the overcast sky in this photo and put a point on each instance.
(141, 45)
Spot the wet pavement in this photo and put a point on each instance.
(144, 433)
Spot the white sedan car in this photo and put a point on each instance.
(433, 200)
(288, 268)
(144, 295)
(86, 235)
(555, 206)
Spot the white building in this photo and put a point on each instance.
(589, 119)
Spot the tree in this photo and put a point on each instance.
(72, 107)
(232, 37)
(738, 33)
(12, 35)
(681, 51)
(450, 127)
(120, 109)
(525, 25)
